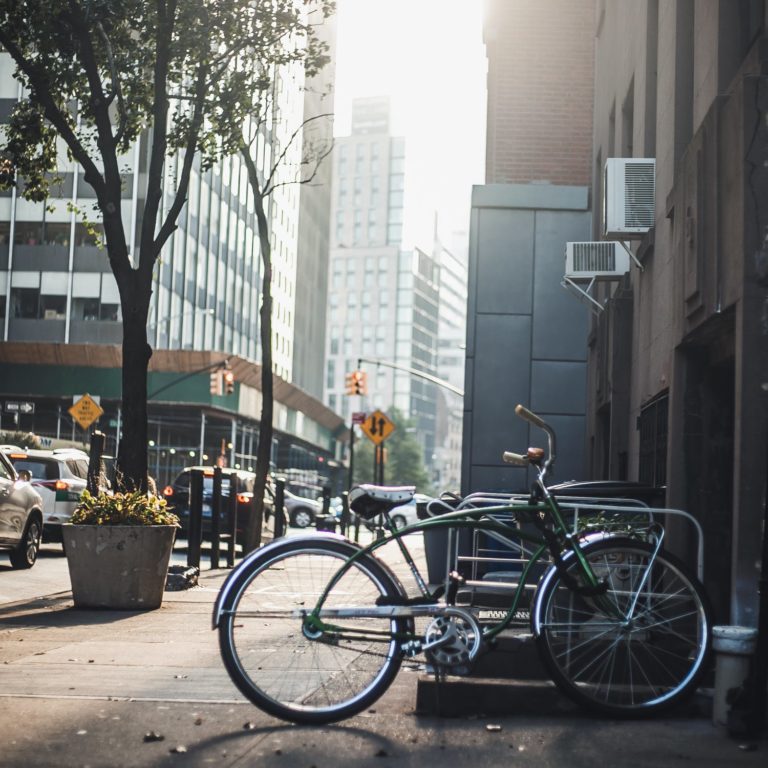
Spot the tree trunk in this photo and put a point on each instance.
(132, 449)
(264, 449)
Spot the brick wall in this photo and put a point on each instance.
(540, 76)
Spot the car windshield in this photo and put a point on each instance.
(38, 468)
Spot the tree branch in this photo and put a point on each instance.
(169, 225)
(53, 114)
(157, 155)
(116, 87)
(269, 184)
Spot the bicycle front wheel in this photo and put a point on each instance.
(297, 674)
(635, 650)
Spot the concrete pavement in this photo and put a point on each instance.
(102, 688)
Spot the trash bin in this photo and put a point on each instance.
(734, 648)
(436, 540)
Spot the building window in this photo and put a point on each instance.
(25, 302)
(652, 424)
(53, 307)
(109, 312)
(85, 309)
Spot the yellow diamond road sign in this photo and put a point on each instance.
(377, 427)
(85, 411)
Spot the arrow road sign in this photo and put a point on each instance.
(22, 407)
(377, 427)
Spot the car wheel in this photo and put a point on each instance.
(398, 521)
(302, 518)
(25, 555)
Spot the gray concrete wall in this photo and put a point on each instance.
(526, 335)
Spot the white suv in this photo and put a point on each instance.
(59, 476)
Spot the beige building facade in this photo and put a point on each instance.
(678, 359)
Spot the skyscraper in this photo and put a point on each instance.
(382, 298)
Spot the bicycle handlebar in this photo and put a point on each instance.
(531, 417)
(524, 461)
(515, 458)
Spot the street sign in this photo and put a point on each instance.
(85, 411)
(19, 407)
(377, 427)
(358, 417)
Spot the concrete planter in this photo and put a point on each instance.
(118, 567)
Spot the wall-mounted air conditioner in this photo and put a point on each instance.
(629, 196)
(589, 263)
(605, 259)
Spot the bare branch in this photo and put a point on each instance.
(269, 184)
(318, 161)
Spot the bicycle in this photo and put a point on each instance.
(313, 629)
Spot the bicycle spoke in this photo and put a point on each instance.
(642, 663)
(313, 674)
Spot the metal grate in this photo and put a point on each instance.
(639, 195)
(594, 257)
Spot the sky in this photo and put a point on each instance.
(429, 57)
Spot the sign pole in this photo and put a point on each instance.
(351, 456)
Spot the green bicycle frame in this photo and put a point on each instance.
(460, 519)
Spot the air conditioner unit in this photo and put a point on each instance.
(629, 196)
(606, 260)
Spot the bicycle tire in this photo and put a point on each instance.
(282, 670)
(632, 668)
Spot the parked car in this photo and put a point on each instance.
(59, 476)
(177, 496)
(301, 512)
(402, 515)
(21, 515)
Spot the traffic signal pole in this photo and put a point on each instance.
(221, 365)
(419, 374)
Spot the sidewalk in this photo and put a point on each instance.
(84, 688)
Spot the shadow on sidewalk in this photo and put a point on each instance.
(57, 611)
(381, 746)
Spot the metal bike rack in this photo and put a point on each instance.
(579, 508)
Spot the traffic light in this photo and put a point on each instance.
(229, 382)
(357, 383)
(216, 388)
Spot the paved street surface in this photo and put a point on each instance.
(88, 688)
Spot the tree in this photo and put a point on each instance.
(262, 186)
(405, 460)
(99, 74)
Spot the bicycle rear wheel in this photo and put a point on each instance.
(293, 674)
(641, 663)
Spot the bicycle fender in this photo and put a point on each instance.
(232, 583)
(541, 587)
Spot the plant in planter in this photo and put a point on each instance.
(118, 547)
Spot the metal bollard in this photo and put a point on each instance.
(279, 507)
(216, 507)
(734, 647)
(344, 512)
(232, 529)
(195, 529)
